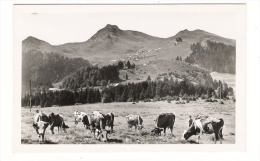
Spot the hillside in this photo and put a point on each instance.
(152, 55)
(44, 69)
(111, 43)
(214, 56)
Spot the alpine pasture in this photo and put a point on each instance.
(147, 110)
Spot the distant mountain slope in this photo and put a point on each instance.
(112, 43)
(200, 35)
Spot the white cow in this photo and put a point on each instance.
(134, 120)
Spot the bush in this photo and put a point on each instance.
(147, 100)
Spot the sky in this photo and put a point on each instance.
(63, 24)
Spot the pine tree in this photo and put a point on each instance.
(148, 78)
(128, 64)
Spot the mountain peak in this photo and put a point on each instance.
(109, 26)
(184, 31)
(112, 29)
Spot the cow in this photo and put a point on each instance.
(98, 123)
(207, 125)
(40, 123)
(78, 116)
(165, 120)
(57, 121)
(134, 120)
(156, 131)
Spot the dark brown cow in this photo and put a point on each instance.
(166, 120)
(57, 121)
(40, 123)
(207, 125)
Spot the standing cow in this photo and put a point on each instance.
(78, 116)
(57, 121)
(40, 123)
(207, 125)
(98, 123)
(165, 120)
(134, 120)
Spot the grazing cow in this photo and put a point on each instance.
(156, 131)
(134, 120)
(165, 120)
(78, 116)
(207, 125)
(57, 121)
(98, 123)
(40, 123)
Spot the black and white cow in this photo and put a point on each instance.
(207, 125)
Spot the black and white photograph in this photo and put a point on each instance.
(129, 74)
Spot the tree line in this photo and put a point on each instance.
(146, 90)
(215, 56)
(95, 76)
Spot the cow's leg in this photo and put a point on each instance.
(198, 141)
(164, 131)
(215, 138)
(112, 130)
(171, 132)
(52, 127)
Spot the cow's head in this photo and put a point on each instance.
(156, 131)
(76, 113)
(101, 135)
(40, 128)
(191, 131)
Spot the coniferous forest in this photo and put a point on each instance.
(47, 68)
(215, 56)
(156, 90)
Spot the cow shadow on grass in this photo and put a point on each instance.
(189, 142)
(49, 142)
(29, 141)
(114, 140)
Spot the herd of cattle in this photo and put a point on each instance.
(97, 122)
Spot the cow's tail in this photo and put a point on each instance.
(111, 122)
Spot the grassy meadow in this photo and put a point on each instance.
(147, 110)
